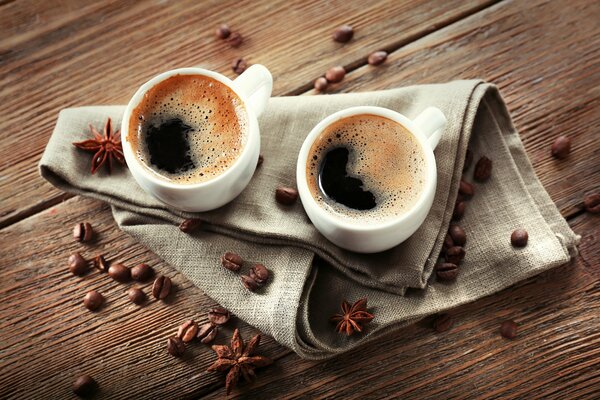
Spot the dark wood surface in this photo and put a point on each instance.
(544, 56)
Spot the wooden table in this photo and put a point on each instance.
(544, 56)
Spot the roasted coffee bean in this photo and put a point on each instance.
(321, 83)
(83, 232)
(136, 295)
(239, 65)
(100, 263)
(591, 202)
(223, 31)
(235, 39)
(261, 159)
(84, 386)
(93, 300)
(219, 315)
(175, 346)
(77, 264)
(161, 287)
(468, 160)
(483, 169)
(286, 195)
(466, 189)
(508, 329)
(249, 283)
(343, 34)
(459, 210)
(232, 261)
(446, 271)
(188, 331)
(455, 255)
(142, 272)
(335, 74)
(259, 273)
(119, 272)
(561, 147)
(377, 57)
(519, 238)
(207, 332)
(458, 235)
(448, 242)
(443, 323)
(190, 225)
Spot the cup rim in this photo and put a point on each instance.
(128, 152)
(343, 222)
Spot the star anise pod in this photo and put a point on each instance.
(238, 360)
(105, 147)
(353, 317)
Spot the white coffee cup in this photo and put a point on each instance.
(351, 233)
(253, 87)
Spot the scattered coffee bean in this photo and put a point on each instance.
(466, 189)
(235, 39)
(83, 232)
(207, 332)
(377, 57)
(142, 272)
(261, 159)
(446, 271)
(286, 195)
(84, 386)
(136, 295)
(591, 202)
(100, 263)
(443, 323)
(232, 261)
(223, 31)
(190, 225)
(175, 346)
(508, 329)
(249, 283)
(458, 235)
(519, 238)
(239, 65)
(321, 83)
(468, 160)
(119, 272)
(448, 242)
(343, 34)
(161, 287)
(219, 315)
(455, 255)
(93, 300)
(259, 273)
(188, 331)
(335, 74)
(77, 264)
(483, 169)
(459, 210)
(561, 147)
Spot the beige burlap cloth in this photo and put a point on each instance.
(295, 307)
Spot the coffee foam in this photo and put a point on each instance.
(215, 113)
(383, 154)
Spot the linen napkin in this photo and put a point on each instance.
(306, 290)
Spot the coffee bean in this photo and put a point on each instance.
(83, 232)
(286, 195)
(249, 283)
(136, 295)
(468, 160)
(459, 237)
(142, 272)
(591, 202)
(321, 83)
(161, 287)
(223, 31)
(219, 315)
(483, 169)
(519, 238)
(261, 159)
(459, 210)
(207, 332)
(93, 300)
(443, 323)
(190, 225)
(335, 74)
(446, 271)
(119, 272)
(259, 273)
(448, 242)
(232, 261)
(508, 329)
(235, 39)
(466, 189)
(175, 346)
(188, 331)
(455, 255)
(343, 34)
(561, 147)
(377, 57)
(239, 65)
(77, 264)
(100, 263)
(84, 386)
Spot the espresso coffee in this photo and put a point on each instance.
(366, 167)
(188, 128)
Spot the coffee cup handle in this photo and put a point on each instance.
(431, 122)
(256, 84)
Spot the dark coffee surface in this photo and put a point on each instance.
(169, 146)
